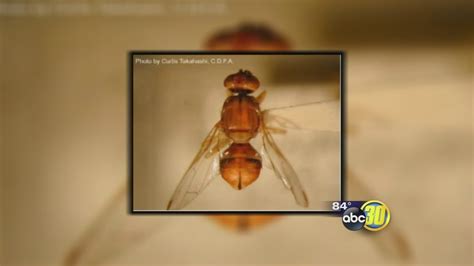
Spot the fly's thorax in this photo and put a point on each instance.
(240, 165)
(240, 117)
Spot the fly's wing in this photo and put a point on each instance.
(315, 116)
(283, 168)
(203, 169)
(112, 231)
(393, 242)
(297, 121)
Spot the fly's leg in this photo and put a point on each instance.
(276, 130)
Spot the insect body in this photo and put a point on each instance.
(240, 120)
(227, 151)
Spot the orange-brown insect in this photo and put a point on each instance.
(247, 37)
(228, 151)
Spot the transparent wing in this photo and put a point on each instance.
(113, 231)
(203, 169)
(321, 118)
(283, 168)
(316, 116)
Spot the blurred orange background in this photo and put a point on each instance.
(63, 132)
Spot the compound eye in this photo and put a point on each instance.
(243, 80)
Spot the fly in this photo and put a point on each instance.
(227, 151)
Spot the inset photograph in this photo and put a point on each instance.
(235, 132)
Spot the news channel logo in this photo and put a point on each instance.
(372, 215)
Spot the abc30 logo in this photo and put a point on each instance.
(373, 215)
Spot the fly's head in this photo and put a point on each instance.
(242, 82)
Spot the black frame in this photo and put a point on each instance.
(130, 73)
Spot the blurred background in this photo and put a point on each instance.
(63, 131)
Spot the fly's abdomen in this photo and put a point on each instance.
(240, 118)
(240, 165)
